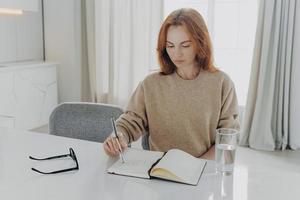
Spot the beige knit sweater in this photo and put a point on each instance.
(180, 113)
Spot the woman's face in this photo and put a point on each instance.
(180, 47)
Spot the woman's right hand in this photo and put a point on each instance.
(111, 146)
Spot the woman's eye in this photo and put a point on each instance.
(186, 46)
(170, 46)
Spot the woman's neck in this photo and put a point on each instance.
(188, 74)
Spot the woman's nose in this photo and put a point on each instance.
(178, 52)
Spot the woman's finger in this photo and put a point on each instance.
(115, 143)
(123, 141)
(111, 147)
(107, 149)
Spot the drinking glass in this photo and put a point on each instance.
(225, 146)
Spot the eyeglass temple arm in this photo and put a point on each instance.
(49, 158)
(56, 172)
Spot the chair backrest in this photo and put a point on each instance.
(86, 121)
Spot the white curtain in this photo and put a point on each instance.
(125, 47)
(88, 50)
(268, 111)
(294, 138)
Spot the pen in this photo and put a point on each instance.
(116, 135)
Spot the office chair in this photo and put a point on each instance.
(86, 121)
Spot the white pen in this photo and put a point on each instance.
(117, 137)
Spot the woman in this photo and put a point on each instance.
(182, 105)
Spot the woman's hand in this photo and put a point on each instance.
(111, 146)
(210, 154)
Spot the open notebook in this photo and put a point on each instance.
(175, 165)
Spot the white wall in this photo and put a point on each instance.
(63, 45)
(295, 89)
(21, 37)
(30, 5)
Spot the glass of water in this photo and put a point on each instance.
(225, 146)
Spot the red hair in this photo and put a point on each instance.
(195, 25)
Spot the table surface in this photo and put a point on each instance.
(258, 175)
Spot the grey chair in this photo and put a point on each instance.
(86, 121)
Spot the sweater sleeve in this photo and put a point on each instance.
(133, 123)
(229, 111)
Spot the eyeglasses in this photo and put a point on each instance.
(71, 154)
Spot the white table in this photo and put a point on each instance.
(258, 175)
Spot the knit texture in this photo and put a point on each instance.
(180, 113)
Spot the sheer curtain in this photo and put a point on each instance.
(88, 50)
(294, 139)
(268, 111)
(124, 47)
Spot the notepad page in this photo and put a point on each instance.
(183, 165)
(137, 163)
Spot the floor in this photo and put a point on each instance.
(41, 129)
(263, 175)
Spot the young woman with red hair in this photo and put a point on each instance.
(183, 104)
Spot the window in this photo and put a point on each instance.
(232, 26)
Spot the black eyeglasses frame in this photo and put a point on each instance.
(71, 154)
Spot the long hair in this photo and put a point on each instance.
(195, 25)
